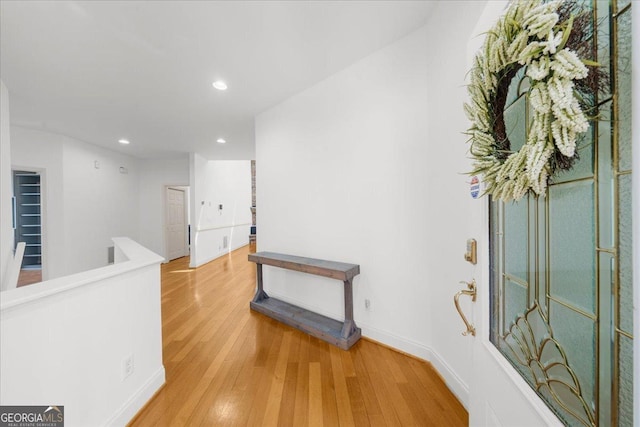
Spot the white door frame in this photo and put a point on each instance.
(165, 235)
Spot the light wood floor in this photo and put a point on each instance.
(226, 365)
(29, 277)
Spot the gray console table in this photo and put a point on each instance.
(341, 334)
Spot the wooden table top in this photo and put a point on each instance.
(337, 270)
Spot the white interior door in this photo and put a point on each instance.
(176, 224)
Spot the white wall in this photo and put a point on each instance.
(340, 172)
(155, 176)
(366, 167)
(64, 341)
(99, 203)
(6, 192)
(84, 206)
(226, 182)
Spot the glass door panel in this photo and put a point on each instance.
(561, 266)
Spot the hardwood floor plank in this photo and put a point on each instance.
(29, 277)
(201, 386)
(436, 390)
(245, 385)
(347, 364)
(356, 399)
(387, 389)
(392, 365)
(263, 384)
(315, 395)
(301, 405)
(372, 405)
(227, 365)
(329, 398)
(345, 413)
(277, 384)
(287, 404)
(218, 404)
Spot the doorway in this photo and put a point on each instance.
(177, 222)
(27, 224)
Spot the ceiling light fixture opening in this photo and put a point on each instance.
(123, 141)
(220, 85)
(221, 141)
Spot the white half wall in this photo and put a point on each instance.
(84, 205)
(214, 183)
(155, 176)
(6, 192)
(64, 341)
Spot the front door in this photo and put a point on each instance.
(554, 315)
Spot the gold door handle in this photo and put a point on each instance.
(471, 291)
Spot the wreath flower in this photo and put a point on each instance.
(543, 37)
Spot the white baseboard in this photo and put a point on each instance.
(138, 400)
(453, 381)
(220, 254)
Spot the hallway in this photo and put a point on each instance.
(226, 365)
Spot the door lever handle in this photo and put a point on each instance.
(470, 291)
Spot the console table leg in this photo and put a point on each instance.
(260, 293)
(349, 326)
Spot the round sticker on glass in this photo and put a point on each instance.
(474, 187)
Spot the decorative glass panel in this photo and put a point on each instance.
(625, 253)
(605, 176)
(622, 4)
(572, 244)
(577, 335)
(516, 228)
(561, 265)
(515, 300)
(604, 49)
(623, 90)
(625, 382)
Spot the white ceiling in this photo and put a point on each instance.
(99, 71)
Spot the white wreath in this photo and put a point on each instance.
(529, 35)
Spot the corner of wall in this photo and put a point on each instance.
(138, 400)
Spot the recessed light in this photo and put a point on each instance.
(221, 141)
(220, 85)
(123, 141)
